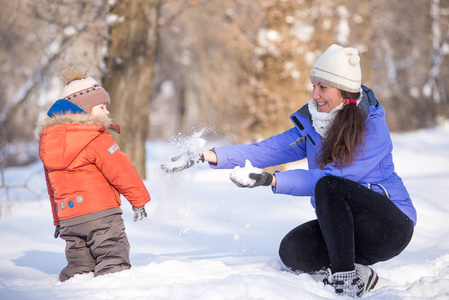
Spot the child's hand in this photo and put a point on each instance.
(57, 231)
(182, 162)
(139, 213)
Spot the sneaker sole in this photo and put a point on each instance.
(372, 281)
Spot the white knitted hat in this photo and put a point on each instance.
(81, 90)
(338, 67)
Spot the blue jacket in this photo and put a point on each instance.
(374, 166)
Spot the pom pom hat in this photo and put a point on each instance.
(83, 91)
(338, 67)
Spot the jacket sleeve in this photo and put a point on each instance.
(273, 151)
(118, 169)
(373, 159)
(52, 199)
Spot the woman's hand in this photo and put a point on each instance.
(188, 159)
(254, 179)
(182, 162)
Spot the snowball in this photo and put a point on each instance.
(241, 175)
(191, 148)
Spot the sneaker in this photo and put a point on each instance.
(344, 283)
(367, 279)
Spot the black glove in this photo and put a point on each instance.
(57, 231)
(182, 162)
(139, 213)
(260, 179)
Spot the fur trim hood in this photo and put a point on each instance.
(104, 121)
(63, 137)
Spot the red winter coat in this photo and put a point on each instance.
(85, 169)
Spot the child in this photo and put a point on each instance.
(86, 172)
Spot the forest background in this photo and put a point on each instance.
(236, 67)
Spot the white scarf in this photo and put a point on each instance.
(321, 120)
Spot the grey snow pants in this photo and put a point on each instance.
(98, 246)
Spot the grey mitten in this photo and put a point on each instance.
(139, 213)
(57, 228)
(263, 178)
(182, 162)
(258, 179)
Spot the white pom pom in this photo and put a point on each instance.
(353, 56)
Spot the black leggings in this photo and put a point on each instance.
(354, 225)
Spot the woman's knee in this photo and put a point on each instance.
(289, 255)
(303, 249)
(327, 183)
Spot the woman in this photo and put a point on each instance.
(364, 212)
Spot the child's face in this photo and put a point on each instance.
(99, 110)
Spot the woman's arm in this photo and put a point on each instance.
(210, 156)
(273, 151)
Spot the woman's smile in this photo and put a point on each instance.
(326, 97)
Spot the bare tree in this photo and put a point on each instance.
(205, 66)
(238, 67)
(243, 66)
(35, 37)
(129, 73)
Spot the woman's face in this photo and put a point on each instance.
(99, 110)
(326, 97)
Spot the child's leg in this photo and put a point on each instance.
(79, 259)
(109, 245)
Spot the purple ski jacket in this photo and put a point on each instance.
(372, 168)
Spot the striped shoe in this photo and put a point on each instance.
(367, 279)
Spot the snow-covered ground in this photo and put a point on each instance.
(205, 238)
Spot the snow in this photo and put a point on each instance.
(205, 238)
(268, 40)
(168, 89)
(241, 175)
(302, 31)
(189, 149)
(70, 31)
(343, 30)
(113, 19)
(273, 36)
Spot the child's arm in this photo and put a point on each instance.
(117, 168)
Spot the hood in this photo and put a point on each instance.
(63, 137)
(63, 106)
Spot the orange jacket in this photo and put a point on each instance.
(84, 167)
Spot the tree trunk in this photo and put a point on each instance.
(129, 76)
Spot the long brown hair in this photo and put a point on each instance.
(344, 138)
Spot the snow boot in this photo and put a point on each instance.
(367, 279)
(344, 283)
